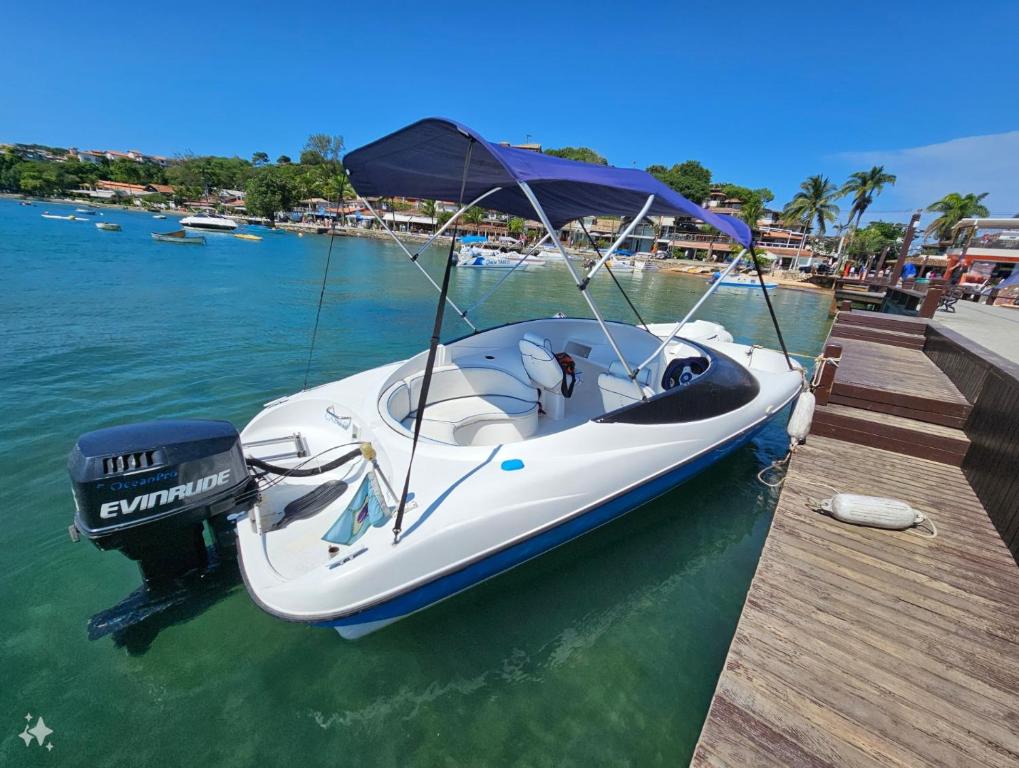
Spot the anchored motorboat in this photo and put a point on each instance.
(107, 226)
(212, 222)
(742, 281)
(364, 500)
(178, 237)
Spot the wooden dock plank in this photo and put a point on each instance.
(903, 376)
(863, 647)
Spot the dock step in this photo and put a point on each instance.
(908, 340)
(899, 323)
(924, 440)
(897, 381)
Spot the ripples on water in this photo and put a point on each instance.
(604, 652)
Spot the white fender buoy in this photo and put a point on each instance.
(873, 511)
(801, 418)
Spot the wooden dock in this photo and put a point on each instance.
(866, 647)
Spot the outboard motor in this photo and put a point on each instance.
(149, 489)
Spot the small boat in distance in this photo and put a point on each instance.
(180, 237)
(209, 221)
(107, 226)
(245, 236)
(86, 211)
(741, 281)
(26, 202)
(159, 216)
(70, 217)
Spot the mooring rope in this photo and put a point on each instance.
(322, 292)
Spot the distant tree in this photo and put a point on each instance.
(952, 209)
(430, 208)
(864, 186)
(283, 160)
(515, 226)
(873, 238)
(326, 148)
(814, 204)
(763, 195)
(259, 158)
(269, 192)
(473, 215)
(751, 211)
(442, 217)
(691, 179)
(322, 166)
(583, 154)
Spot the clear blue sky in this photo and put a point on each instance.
(764, 94)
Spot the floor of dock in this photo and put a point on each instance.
(864, 647)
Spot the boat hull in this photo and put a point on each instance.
(449, 585)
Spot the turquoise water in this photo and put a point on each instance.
(604, 652)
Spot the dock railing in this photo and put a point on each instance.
(991, 384)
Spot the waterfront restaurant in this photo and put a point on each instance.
(984, 252)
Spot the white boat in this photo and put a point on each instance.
(107, 226)
(473, 256)
(211, 222)
(506, 465)
(86, 211)
(159, 216)
(549, 252)
(59, 217)
(373, 497)
(750, 281)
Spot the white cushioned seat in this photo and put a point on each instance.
(466, 406)
(478, 420)
(539, 362)
(618, 390)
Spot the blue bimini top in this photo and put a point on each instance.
(426, 160)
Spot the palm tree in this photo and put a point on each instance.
(429, 209)
(474, 215)
(814, 203)
(751, 211)
(864, 186)
(952, 209)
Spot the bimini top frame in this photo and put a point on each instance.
(426, 160)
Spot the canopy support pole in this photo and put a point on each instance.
(433, 346)
(529, 194)
(611, 273)
(451, 220)
(619, 240)
(771, 309)
(414, 256)
(676, 329)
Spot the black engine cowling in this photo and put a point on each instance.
(148, 489)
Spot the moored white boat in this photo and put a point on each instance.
(473, 256)
(750, 281)
(210, 222)
(506, 464)
(107, 226)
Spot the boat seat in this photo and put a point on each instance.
(539, 362)
(466, 406)
(478, 420)
(618, 390)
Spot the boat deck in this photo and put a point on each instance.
(865, 647)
